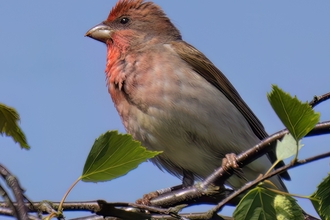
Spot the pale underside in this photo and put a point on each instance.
(173, 109)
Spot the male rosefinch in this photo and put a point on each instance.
(173, 99)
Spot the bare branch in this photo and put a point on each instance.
(273, 173)
(319, 99)
(156, 213)
(11, 207)
(20, 210)
(257, 151)
(192, 193)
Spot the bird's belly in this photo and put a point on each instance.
(175, 110)
(194, 128)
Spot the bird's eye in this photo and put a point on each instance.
(124, 20)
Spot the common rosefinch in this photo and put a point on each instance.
(173, 99)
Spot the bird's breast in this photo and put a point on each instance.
(169, 107)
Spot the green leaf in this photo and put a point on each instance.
(256, 204)
(322, 194)
(263, 204)
(287, 147)
(114, 155)
(299, 118)
(287, 208)
(9, 125)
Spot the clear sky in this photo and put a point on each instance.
(54, 77)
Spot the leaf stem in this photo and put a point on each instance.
(297, 150)
(272, 167)
(67, 193)
(288, 194)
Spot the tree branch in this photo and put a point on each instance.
(19, 210)
(104, 209)
(319, 99)
(10, 204)
(195, 192)
(269, 175)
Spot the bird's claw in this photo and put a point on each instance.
(230, 162)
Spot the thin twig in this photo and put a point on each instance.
(319, 99)
(257, 151)
(93, 205)
(11, 207)
(269, 175)
(192, 193)
(20, 209)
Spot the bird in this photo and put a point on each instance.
(172, 98)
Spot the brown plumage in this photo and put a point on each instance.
(172, 98)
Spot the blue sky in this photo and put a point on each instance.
(54, 77)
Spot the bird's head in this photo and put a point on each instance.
(135, 22)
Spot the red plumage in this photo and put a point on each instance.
(122, 6)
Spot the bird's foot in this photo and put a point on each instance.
(230, 162)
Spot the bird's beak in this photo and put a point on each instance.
(100, 32)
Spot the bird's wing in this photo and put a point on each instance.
(206, 68)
